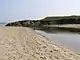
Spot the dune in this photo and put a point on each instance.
(20, 43)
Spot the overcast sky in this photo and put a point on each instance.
(11, 10)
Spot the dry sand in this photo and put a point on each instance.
(18, 43)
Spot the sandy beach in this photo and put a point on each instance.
(20, 43)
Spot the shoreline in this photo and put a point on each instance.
(24, 43)
(58, 44)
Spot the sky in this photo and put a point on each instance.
(12, 10)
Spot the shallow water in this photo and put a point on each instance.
(2, 24)
(66, 39)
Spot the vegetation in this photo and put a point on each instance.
(47, 21)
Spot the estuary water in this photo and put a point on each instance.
(66, 39)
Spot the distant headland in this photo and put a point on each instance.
(47, 21)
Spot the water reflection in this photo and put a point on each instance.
(62, 36)
(57, 29)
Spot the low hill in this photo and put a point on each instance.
(47, 21)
